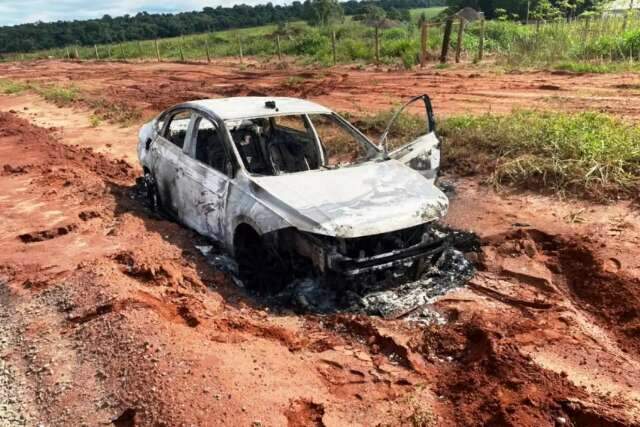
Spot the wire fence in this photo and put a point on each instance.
(605, 39)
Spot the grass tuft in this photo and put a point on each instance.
(61, 96)
(11, 87)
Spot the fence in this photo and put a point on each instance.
(451, 39)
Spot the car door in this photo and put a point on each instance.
(422, 152)
(168, 167)
(207, 170)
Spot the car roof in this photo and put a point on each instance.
(244, 107)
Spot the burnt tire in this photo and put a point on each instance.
(260, 268)
(152, 193)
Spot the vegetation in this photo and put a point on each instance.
(65, 95)
(585, 154)
(583, 45)
(534, 9)
(145, 26)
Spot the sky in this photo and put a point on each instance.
(14, 12)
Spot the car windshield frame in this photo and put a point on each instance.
(374, 152)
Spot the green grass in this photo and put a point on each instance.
(58, 95)
(585, 154)
(588, 155)
(113, 112)
(596, 68)
(10, 87)
(594, 46)
(429, 12)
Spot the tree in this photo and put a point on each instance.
(324, 12)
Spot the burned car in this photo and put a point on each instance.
(288, 186)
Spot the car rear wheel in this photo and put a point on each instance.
(151, 190)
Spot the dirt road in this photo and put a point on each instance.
(110, 314)
(153, 87)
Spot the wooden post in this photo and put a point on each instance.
(377, 44)
(446, 39)
(333, 47)
(181, 49)
(68, 53)
(109, 51)
(157, 50)
(424, 31)
(528, 9)
(459, 42)
(626, 16)
(278, 47)
(206, 47)
(122, 52)
(140, 52)
(240, 47)
(77, 53)
(481, 44)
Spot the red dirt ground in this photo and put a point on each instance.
(110, 314)
(153, 87)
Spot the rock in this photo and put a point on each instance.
(528, 271)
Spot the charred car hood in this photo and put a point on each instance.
(367, 199)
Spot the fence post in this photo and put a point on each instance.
(68, 53)
(140, 51)
(109, 50)
(240, 47)
(124, 57)
(459, 43)
(95, 46)
(333, 47)
(424, 34)
(181, 49)
(77, 53)
(206, 47)
(481, 44)
(377, 44)
(446, 39)
(278, 47)
(157, 50)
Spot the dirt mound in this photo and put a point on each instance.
(32, 140)
(611, 297)
(491, 383)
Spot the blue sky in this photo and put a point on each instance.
(22, 11)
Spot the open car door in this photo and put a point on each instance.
(422, 153)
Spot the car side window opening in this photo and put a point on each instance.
(341, 145)
(209, 146)
(275, 145)
(177, 130)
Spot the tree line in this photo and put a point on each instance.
(143, 26)
(530, 9)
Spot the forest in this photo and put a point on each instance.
(143, 26)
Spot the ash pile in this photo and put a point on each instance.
(391, 299)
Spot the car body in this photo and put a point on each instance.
(258, 172)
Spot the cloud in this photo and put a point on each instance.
(14, 12)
